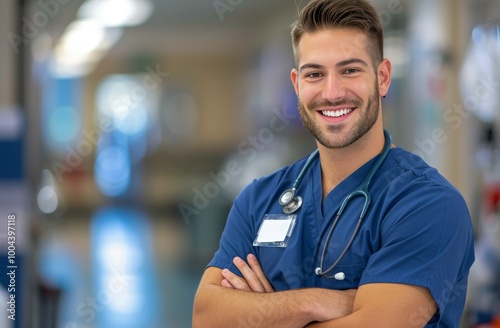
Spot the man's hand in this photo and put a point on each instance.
(254, 278)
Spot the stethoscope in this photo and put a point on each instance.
(292, 203)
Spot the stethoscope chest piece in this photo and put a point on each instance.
(287, 197)
(293, 206)
(289, 202)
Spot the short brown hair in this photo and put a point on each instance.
(348, 14)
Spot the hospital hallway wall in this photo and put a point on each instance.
(127, 127)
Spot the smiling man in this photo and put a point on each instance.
(377, 239)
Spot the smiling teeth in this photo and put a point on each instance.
(336, 113)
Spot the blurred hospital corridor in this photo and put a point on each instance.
(127, 128)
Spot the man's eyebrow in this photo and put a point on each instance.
(351, 61)
(311, 65)
(339, 64)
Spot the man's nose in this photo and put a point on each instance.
(333, 88)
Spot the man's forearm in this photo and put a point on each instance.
(222, 307)
(217, 306)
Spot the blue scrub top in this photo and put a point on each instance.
(417, 231)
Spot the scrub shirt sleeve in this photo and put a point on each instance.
(238, 234)
(426, 240)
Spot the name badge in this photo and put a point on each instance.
(275, 230)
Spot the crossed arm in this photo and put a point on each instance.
(224, 299)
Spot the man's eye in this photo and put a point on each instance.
(313, 75)
(351, 71)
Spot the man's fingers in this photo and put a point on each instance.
(226, 283)
(250, 276)
(235, 281)
(257, 269)
(253, 279)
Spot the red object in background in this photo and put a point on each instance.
(491, 198)
(494, 324)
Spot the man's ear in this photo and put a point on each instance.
(294, 76)
(384, 72)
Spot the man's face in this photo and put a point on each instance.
(338, 87)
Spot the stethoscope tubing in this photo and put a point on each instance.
(325, 273)
(362, 191)
(292, 203)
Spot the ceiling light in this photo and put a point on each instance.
(81, 47)
(114, 13)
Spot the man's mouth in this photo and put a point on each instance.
(336, 113)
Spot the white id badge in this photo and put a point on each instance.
(275, 230)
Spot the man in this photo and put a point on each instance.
(409, 260)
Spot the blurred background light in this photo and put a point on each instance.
(81, 38)
(123, 99)
(62, 117)
(132, 121)
(112, 170)
(64, 123)
(82, 45)
(113, 96)
(114, 13)
(119, 261)
(122, 267)
(48, 199)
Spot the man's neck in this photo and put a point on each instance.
(338, 164)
